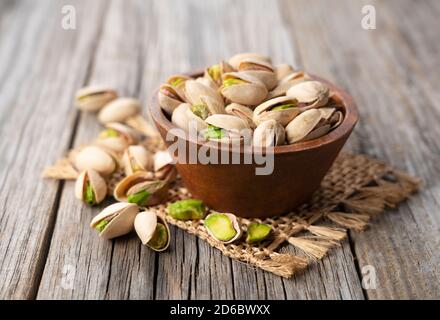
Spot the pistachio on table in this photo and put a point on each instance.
(164, 168)
(136, 158)
(282, 109)
(152, 230)
(257, 232)
(116, 129)
(93, 98)
(189, 209)
(119, 110)
(243, 89)
(115, 220)
(95, 158)
(90, 187)
(223, 227)
(112, 141)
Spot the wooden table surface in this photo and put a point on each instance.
(48, 251)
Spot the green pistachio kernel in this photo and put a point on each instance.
(89, 195)
(283, 106)
(213, 132)
(231, 82)
(101, 225)
(189, 209)
(257, 232)
(109, 133)
(160, 237)
(176, 82)
(140, 198)
(220, 226)
(214, 72)
(201, 111)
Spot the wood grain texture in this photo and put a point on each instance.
(47, 249)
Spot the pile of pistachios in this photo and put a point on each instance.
(147, 178)
(277, 104)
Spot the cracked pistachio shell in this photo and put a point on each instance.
(141, 181)
(257, 232)
(169, 98)
(243, 112)
(112, 144)
(283, 70)
(208, 82)
(119, 217)
(302, 125)
(93, 98)
(164, 166)
(313, 94)
(269, 133)
(223, 227)
(286, 83)
(248, 91)
(215, 72)
(227, 122)
(95, 158)
(185, 119)
(336, 119)
(119, 110)
(318, 132)
(327, 113)
(265, 111)
(235, 60)
(177, 81)
(194, 90)
(96, 182)
(152, 230)
(136, 158)
(259, 69)
(188, 209)
(130, 135)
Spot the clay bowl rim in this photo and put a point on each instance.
(347, 125)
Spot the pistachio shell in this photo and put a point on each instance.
(162, 159)
(145, 224)
(177, 81)
(302, 125)
(336, 119)
(169, 98)
(227, 122)
(318, 132)
(119, 110)
(93, 98)
(95, 158)
(264, 111)
(269, 133)
(250, 93)
(136, 158)
(214, 73)
(235, 60)
(311, 93)
(112, 144)
(326, 113)
(208, 82)
(180, 117)
(283, 70)
(223, 227)
(97, 183)
(194, 90)
(130, 135)
(286, 83)
(120, 217)
(259, 69)
(243, 112)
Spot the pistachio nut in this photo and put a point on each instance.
(269, 133)
(177, 81)
(95, 158)
(169, 98)
(207, 107)
(152, 230)
(116, 129)
(136, 158)
(90, 187)
(139, 188)
(226, 128)
(286, 83)
(281, 109)
(93, 98)
(310, 94)
(336, 119)
(208, 82)
(235, 60)
(215, 72)
(189, 209)
(283, 70)
(259, 69)
(243, 112)
(194, 90)
(223, 227)
(302, 125)
(243, 89)
(257, 232)
(115, 220)
(114, 144)
(164, 168)
(119, 110)
(184, 118)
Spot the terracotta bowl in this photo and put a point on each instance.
(297, 174)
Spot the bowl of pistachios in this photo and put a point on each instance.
(251, 137)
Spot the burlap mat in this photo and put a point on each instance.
(356, 189)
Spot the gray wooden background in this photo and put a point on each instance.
(47, 249)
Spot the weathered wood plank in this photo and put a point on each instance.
(384, 71)
(40, 66)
